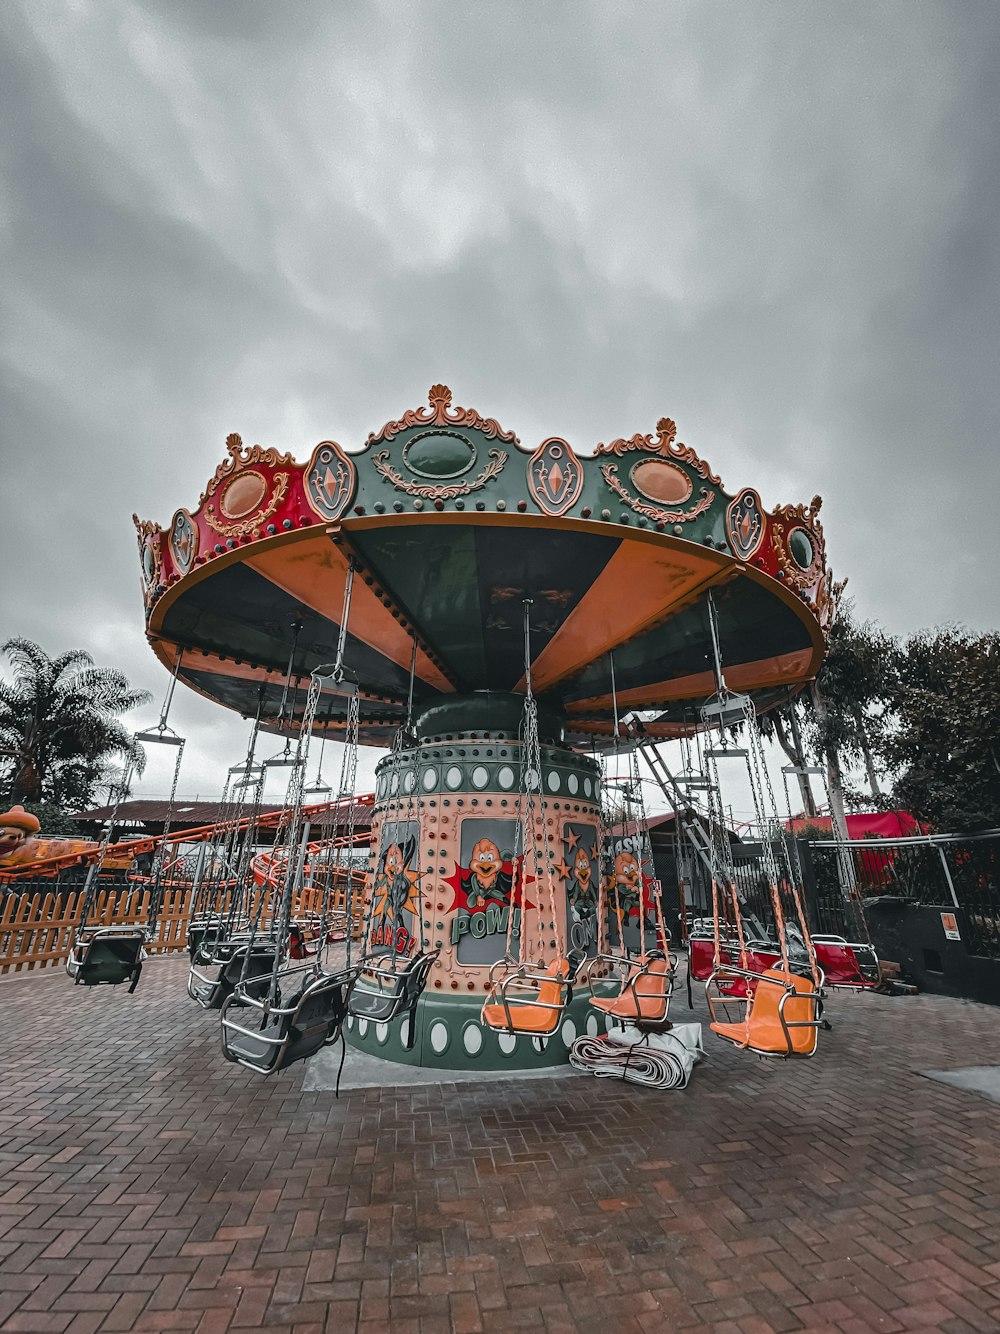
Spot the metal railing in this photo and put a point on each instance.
(942, 870)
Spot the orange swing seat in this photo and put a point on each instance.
(539, 1001)
(782, 1018)
(644, 995)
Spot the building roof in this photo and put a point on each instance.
(185, 815)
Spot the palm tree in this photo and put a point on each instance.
(59, 725)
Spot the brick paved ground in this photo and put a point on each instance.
(147, 1185)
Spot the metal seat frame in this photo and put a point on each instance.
(791, 992)
(525, 978)
(276, 1037)
(864, 958)
(82, 948)
(211, 992)
(638, 969)
(397, 990)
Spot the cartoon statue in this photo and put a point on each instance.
(487, 879)
(581, 889)
(18, 844)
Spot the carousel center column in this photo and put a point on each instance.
(448, 872)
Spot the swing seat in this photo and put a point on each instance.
(212, 992)
(539, 1013)
(783, 1015)
(847, 964)
(644, 996)
(108, 956)
(733, 980)
(701, 966)
(383, 992)
(207, 938)
(311, 1019)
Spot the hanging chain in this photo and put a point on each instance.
(602, 878)
(159, 861)
(533, 808)
(94, 871)
(346, 792)
(293, 804)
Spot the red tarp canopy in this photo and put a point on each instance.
(882, 824)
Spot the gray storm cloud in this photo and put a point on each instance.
(776, 222)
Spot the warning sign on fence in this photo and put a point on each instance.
(950, 923)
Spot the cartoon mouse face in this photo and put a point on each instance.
(486, 862)
(17, 827)
(11, 838)
(393, 860)
(627, 871)
(581, 868)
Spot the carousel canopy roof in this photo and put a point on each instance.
(451, 524)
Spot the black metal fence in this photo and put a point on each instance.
(959, 872)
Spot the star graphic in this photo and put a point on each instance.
(572, 839)
(562, 870)
(412, 904)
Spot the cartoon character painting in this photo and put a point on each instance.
(582, 888)
(628, 883)
(578, 871)
(394, 889)
(487, 889)
(487, 879)
(393, 881)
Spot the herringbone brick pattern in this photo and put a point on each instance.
(147, 1185)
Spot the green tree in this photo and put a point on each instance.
(853, 696)
(783, 725)
(60, 733)
(946, 742)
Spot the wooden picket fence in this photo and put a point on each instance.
(37, 930)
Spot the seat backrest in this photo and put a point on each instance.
(764, 1028)
(416, 974)
(701, 959)
(840, 965)
(654, 979)
(552, 992)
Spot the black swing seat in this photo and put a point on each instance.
(310, 1019)
(212, 992)
(107, 956)
(210, 938)
(384, 992)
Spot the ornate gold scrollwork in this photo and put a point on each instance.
(650, 511)
(784, 520)
(665, 445)
(441, 492)
(441, 413)
(238, 464)
(149, 536)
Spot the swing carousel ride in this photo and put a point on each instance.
(499, 618)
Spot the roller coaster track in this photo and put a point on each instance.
(46, 867)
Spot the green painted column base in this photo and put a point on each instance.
(448, 1033)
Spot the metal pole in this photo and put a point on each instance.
(947, 876)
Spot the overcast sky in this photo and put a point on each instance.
(776, 222)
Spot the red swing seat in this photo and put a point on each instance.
(739, 982)
(847, 965)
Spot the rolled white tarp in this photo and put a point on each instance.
(658, 1060)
